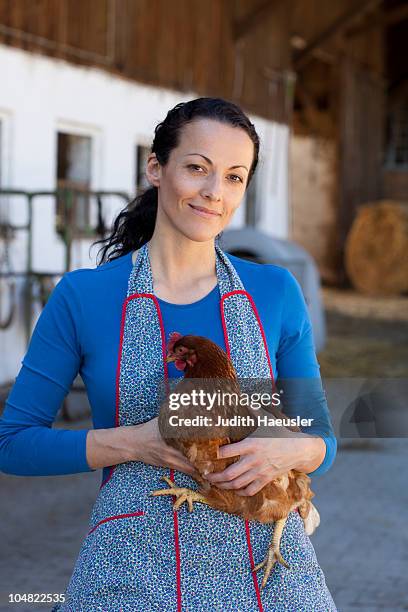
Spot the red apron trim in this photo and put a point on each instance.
(122, 330)
(252, 562)
(177, 549)
(224, 327)
(149, 296)
(115, 517)
(175, 515)
(251, 301)
(111, 470)
(134, 296)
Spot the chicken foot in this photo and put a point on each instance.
(273, 555)
(183, 494)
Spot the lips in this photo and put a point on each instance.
(204, 212)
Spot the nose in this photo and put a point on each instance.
(212, 189)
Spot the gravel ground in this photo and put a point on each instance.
(362, 541)
(361, 544)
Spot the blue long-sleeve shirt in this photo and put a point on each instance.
(78, 331)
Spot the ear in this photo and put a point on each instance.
(192, 360)
(153, 170)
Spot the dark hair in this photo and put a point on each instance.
(134, 225)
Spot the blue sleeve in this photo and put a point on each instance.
(28, 444)
(299, 372)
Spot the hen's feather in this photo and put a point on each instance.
(208, 368)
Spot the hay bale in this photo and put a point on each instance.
(376, 250)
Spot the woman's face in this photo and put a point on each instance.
(204, 180)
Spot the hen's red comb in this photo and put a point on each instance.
(173, 337)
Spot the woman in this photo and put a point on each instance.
(111, 324)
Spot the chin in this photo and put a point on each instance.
(200, 233)
(201, 236)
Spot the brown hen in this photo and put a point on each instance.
(208, 369)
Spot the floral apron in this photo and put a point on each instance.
(139, 555)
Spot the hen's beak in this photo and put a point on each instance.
(170, 358)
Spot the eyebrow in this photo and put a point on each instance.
(207, 159)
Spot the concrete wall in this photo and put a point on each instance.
(313, 189)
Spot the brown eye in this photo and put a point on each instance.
(195, 167)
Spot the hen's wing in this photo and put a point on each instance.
(207, 412)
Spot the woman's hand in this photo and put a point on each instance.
(148, 446)
(264, 459)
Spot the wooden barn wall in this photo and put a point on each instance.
(339, 102)
(319, 77)
(238, 49)
(310, 18)
(361, 140)
(361, 123)
(395, 184)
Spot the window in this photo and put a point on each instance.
(141, 182)
(74, 178)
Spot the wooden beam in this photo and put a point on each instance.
(336, 27)
(241, 27)
(397, 14)
(386, 19)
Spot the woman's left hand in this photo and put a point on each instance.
(264, 459)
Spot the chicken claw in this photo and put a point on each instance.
(182, 494)
(273, 555)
